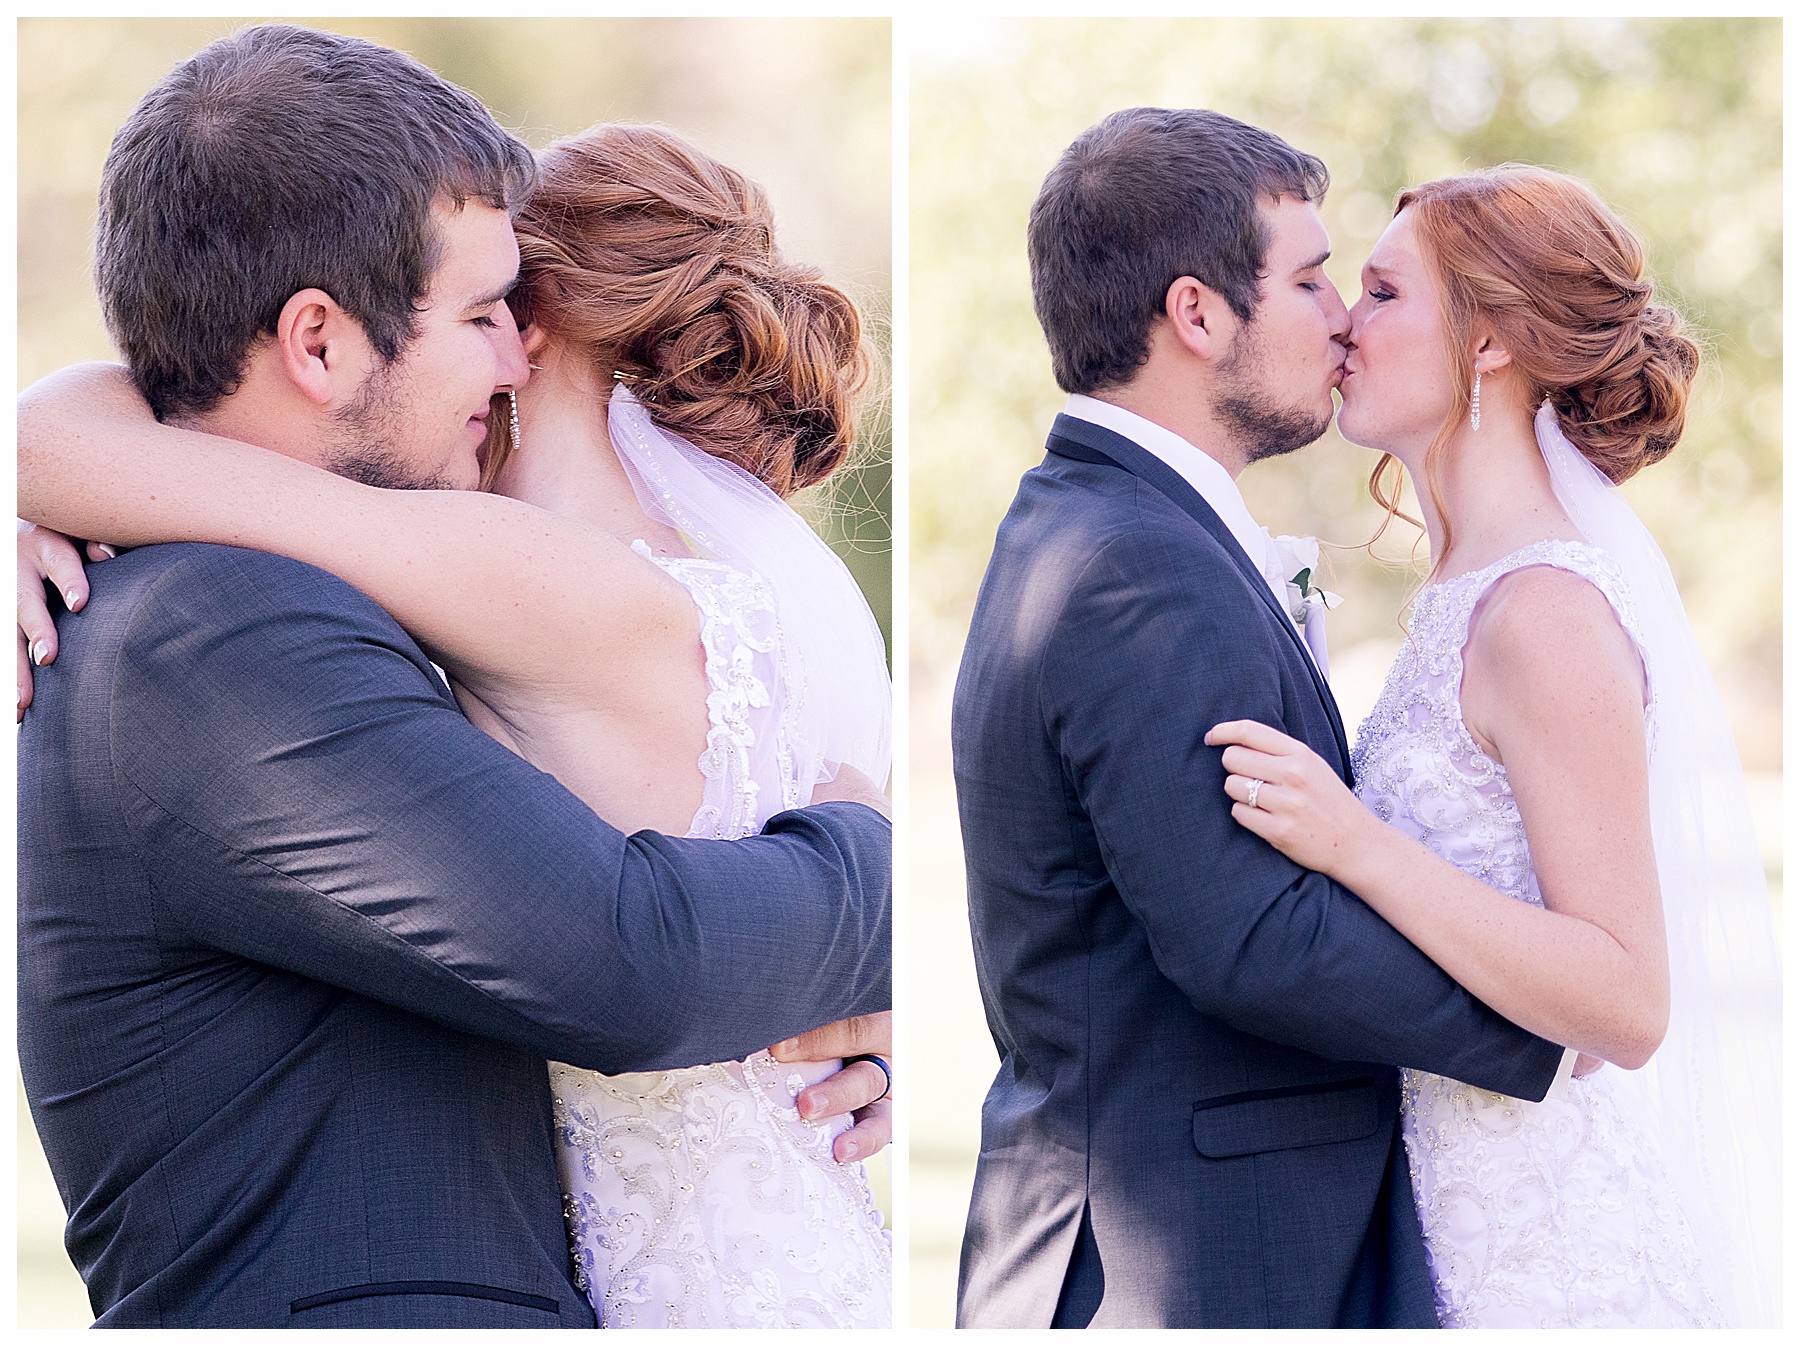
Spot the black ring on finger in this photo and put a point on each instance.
(870, 1056)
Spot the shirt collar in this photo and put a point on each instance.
(1197, 467)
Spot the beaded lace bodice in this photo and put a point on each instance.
(750, 707)
(699, 1197)
(1535, 1214)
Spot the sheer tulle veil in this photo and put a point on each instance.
(1715, 1083)
(838, 697)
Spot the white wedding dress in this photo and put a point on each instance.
(699, 1197)
(1552, 1214)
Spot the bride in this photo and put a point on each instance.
(1548, 802)
(688, 378)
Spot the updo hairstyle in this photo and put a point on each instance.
(1561, 278)
(658, 262)
(1540, 257)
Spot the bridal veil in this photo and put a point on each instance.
(836, 666)
(1716, 1080)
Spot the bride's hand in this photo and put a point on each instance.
(1303, 808)
(850, 786)
(860, 1088)
(45, 554)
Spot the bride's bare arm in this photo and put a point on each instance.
(497, 590)
(1553, 689)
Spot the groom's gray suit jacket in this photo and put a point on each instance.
(295, 940)
(1195, 1119)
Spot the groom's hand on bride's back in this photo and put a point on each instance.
(850, 786)
(861, 1088)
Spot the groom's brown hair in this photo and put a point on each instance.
(272, 161)
(1143, 198)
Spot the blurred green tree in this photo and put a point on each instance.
(1677, 123)
(802, 106)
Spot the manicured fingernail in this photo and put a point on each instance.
(38, 651)
(780, 1048)
(73, 599)
(850, 1150)
(109, 553)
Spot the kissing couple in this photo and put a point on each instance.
(302, 924)
(1473, 1024)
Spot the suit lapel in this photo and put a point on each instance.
(1072, 437)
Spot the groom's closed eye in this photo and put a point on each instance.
(485, 308)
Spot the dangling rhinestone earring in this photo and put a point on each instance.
(1474, 410)
(512, 424)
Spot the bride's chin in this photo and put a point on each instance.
(1350, 430)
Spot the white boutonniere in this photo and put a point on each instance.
(1291, 563)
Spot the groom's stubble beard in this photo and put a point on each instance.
(365, 431)
(1256, 422)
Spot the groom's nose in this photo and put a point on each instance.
(514, 369)
(1338, 315)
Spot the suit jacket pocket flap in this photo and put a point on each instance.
(1285, 1119)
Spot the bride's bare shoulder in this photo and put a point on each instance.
(1547, 644)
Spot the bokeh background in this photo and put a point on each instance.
(1677, 123)
(802, 106)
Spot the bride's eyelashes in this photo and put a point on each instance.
(1381, 295)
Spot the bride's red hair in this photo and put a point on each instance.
(1540, 258)
(659, 262)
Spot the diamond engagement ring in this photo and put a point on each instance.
(1255, 785)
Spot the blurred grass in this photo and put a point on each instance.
(950, 1080)
(51, 1293)
(1677, 123)
(801, 105)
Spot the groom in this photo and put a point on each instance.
(1195, 1119)
(295, 939)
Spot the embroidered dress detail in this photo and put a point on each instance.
(741, 635)
(700, 1197)
(1552, 1214)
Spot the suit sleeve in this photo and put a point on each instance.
(303, 794)
(1156, 645)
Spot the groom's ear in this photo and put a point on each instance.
(1199, 318)
(323, 350)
